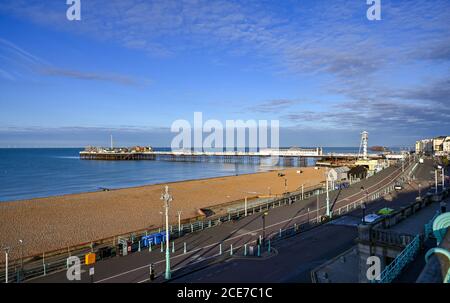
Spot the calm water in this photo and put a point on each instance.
(32, 173)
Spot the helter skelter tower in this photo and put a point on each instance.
(363, 145)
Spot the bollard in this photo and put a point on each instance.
(231, 249)
(220, 248)
(45, 270)
(150, 246)
(245, 249)
(268, 246)
(295, 226)
(184, 250)
(259, 250)
(192, 228)
(162, 247)
(173, 246)
(280, 232)
(139, 248)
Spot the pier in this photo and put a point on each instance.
(288, 157)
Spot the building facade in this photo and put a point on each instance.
(424, 147)
(446, 146)
(438, 144)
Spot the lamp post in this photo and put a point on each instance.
(328, 195)
(363, 207)
(436, 181)
(245, 206)
(167, 198)
(179, 223)
(21, 258)
(6, 264)
(264, 227)
(443, 178)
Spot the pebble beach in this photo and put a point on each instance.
(51, 223)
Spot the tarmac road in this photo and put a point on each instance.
(205, 245)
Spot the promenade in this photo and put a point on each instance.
(207, 244)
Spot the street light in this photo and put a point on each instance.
(179, 223)
(21, 257)
(443, 176)
(328, 195)
(264, 227)
(167, 198)
(6, 249)
(436, 180)
(363, 207)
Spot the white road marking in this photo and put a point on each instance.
(239, 236)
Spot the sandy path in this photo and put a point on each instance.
(56, 222)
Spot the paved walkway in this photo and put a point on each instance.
(414, 224)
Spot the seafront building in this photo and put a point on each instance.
(439, 146)
(424, 147)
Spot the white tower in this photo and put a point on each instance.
(363, 145)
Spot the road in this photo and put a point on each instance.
(205, 245)
(294, 258)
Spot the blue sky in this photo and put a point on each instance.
(131, 68)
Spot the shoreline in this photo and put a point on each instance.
(145, 185)
(46, 224)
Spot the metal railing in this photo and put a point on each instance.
(41, 265)
(394, 269)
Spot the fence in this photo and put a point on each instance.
(404, 258)
(41, 265)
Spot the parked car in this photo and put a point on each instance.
(385, 211)
(398, 186)
(371, 218)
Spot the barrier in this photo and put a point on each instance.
(37, 265)
(404, 258)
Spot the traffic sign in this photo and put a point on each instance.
(89, 258)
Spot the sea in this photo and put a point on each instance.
(27, 173)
